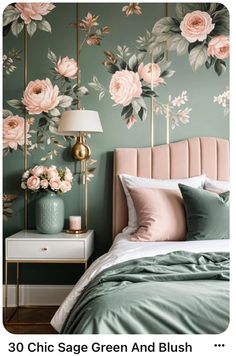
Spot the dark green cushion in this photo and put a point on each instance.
(207, 213)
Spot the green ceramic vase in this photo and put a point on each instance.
(49, 211)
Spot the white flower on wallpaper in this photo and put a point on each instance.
(9, 61)
(29, 14)
(223, 100)
(173, 110)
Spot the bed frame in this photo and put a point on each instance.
(183, 159)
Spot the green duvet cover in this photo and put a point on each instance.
(175, 293)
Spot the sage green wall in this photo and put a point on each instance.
(206, 118)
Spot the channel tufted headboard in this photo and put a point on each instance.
(188, 158)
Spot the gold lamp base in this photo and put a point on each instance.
(81, 151)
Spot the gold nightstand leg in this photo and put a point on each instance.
(85, 265)
(17, 284)
(6, 289)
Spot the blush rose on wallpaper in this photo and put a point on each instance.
(135, 76)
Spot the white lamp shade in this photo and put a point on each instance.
(75, 121)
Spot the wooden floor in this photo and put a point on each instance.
(33, 315)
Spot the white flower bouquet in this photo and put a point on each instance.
(47, 179)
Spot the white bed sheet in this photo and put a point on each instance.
(123, 250)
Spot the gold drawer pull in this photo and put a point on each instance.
(44, 248)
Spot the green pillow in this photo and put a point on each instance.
(207, 213)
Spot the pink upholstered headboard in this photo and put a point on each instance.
(182, 159)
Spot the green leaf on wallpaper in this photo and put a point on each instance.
(141, 55)
(197, 57)
(55, 112)
(158, 49)
(219, 67)
(123, 64)
(65, 101)
(17, 27)
(31, 28)
(6, 113)
(52, 57)
(163, 37)
(167, 73)
(111, 68)
(210, 62)
(158, 58)
(182, 46)
(221, 27)
(148, 92)
(42, 122)
(174, 41)
(141, 102)
(138, 109)
(10, 14)
(212, 8)
(127, 111)
(133, 61)
(181, 11)
(165, 65)
(165, 24)
(143, 111)
(14, 103)
(193, 45)
(44, 26)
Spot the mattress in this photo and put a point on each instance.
(124, 250)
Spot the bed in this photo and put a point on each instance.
(155, 287)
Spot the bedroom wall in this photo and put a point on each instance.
(206, 118)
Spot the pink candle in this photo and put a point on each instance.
(75, 222)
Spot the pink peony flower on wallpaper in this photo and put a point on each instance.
(40, 96)
(13, 131)
(33, 183)
(125, 86)
(219, 47)
(33, 11)
(65, 186)
(67, 67)
(55, 183)
(196, 25)
(151, 73)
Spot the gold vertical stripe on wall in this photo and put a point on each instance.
(25, 126)
(78, 47)
(166, 57)
(152, 99)
(152, 106)
(83, 164)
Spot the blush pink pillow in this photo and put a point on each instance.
(161, 214)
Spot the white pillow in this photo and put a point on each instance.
(217, 184)
(134, 182)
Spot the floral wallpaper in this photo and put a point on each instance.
(133, 63)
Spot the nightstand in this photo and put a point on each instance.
(29, 246)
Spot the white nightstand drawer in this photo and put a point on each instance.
(45, 249)
(30, 245)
